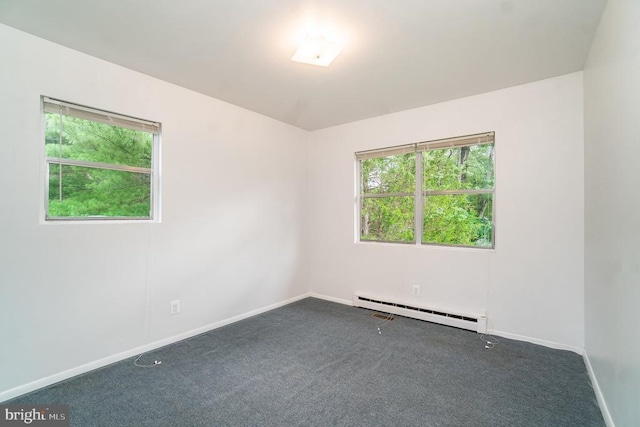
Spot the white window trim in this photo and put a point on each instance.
(419, 194)
(155, 128)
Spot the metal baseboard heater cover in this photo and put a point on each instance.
(476, 323)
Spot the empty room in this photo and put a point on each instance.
(319, 213)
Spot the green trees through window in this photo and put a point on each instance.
(452, 181)
(99, 165)
(388, 209)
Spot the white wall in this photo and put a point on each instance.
(612, 209)
(532, 284)
(230, 242)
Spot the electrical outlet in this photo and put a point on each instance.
(415, 290)
(175, 306)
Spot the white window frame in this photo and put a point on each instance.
(419, 194)
(57, 106)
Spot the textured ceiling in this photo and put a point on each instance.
(398, 54)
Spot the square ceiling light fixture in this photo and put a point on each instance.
(317, 50)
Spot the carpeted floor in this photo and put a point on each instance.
(317, 363)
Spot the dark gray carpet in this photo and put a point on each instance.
(317, 363)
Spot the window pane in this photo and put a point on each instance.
(97, 142)
(387, 219)
(392, 174)
(460, 168)
(88, 192)
(459, 219)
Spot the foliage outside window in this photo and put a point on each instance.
(437, 192)
(99, 165)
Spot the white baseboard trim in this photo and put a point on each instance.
(550, 344)
(69, 373)
(332, 299)
(599, 396)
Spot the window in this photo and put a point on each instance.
(437, 192)
(100, 165)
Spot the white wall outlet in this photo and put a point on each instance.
(415, 290)
(175, 306)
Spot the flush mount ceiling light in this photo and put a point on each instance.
(317, 50)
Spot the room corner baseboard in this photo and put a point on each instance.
(599, 396)
(550, 344)
(332, 299)
(87, 367)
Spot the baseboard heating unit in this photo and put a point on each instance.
(476, 323)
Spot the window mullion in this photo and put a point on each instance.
(60, 130)
(46, 189)
(418, 201)
(450, 192)
(381, 195)
(359, 199)
(97, 165)
(155, 177)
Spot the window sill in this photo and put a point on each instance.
(425, 246)
(75, 221)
